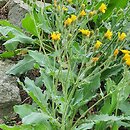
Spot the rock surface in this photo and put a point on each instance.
(9, 92)
(18, 9)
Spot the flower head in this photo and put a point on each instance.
(128, 62)
(103, 8)
(73, 17)
(55, 2)
(68, 21)
(65, 8)
(126, 56)
(83, 13)
(95, 59)
(108, 34)
(83, 5)
(97, 44)
(91, 13)
(85, 32)
(121, 36)
(55, 36)
(125, 51)
(116, 52)
(69, 1)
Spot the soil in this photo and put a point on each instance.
(3, 13)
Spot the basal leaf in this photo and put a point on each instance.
(24, 110)
(22, 66)
(29, 25)
(85, 126)
(34, 118)
(21, 127)
(36, 94)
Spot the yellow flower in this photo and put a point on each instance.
(85, 32)
(116, 52)
(97, 44)
(55, 2)
(95, 59)
(70, 35)
(128, 62)
(121, 36)
(103, 8)
(68, 22)
(73, 17)
(108, 34)
(64, 9)
(126, 56)
(58, 7)
(83, 13)
(125, 51)
(69, 1)
(83, 5)
(55, 36)
(91, 13)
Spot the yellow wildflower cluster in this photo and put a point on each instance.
(121, 36)
(116, 52)
(97, 44)
(103, 8)
(126, 57)
(68, 21)
(85, 32)
(91, 13)
(55, 36)
(64, 8)
(73, 17)
(82, 13)
(108, 34)
(95, 59)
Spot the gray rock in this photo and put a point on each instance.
(17, 11)
(9, 92)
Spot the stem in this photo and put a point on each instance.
(90, 109)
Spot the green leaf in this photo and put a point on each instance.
(104, 118)
(16, 37)
(35, 117)
(38, 57)
(85, 126)
(36, 94)
(24, 110)
(125, 107)
(6, 30)
(91, 86)
(9, 54)
(111, 71)
(7, 23)
(42, 60)
(40, 126)
(21, 127)
(44, 23)
(22, 66)
(29, 24)
(44, 126)
(47, 80)
(13, 43)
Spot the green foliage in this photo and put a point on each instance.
(23, 66)
(77, 87)
(29, 24)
